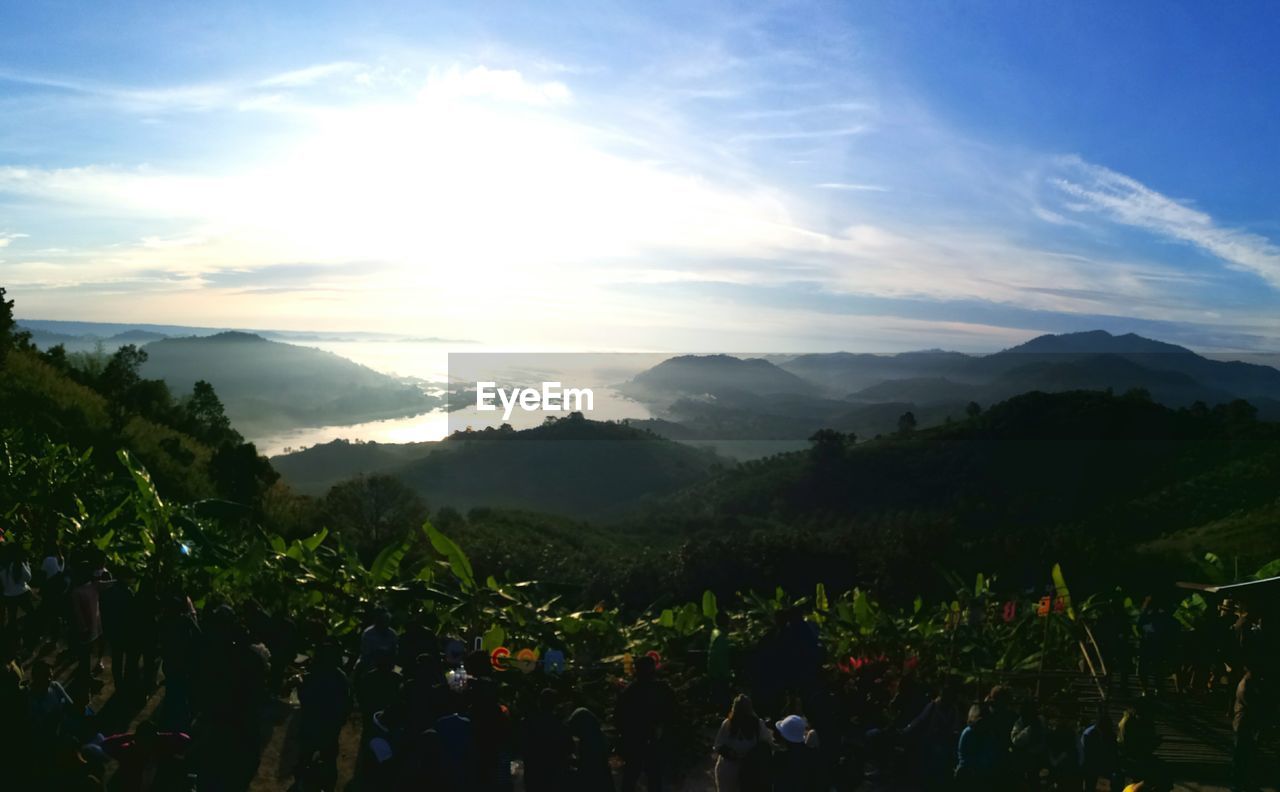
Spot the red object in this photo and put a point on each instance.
(1010, 611)
(497, 656)
(657, 658)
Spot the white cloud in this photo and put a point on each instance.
(507, 85)
(851, 187)
(7, 238)
(1124, 200)
(311, 74)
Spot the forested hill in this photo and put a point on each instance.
(104, 404)
(571, 466)
(1070, 475)
(269, 386)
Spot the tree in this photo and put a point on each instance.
(973, 410)
(208, 417)
(10, 338)
(371, 511)
(121, 372)
(240, 474)
(828, 445)
(907, 423)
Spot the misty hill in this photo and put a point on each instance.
(722, 377)
(917, 390)
(572, 467)
(840, 373)
(268, 386)
(1095, 360)
(1243, 380)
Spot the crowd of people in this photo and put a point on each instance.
(431, 712)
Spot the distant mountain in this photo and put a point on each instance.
(137, 337)
(1094, 360)
(88, 333)
(268, 386)
(714, 398)
(722, 377)
(916, 390)
(571, 467)
(841, 373)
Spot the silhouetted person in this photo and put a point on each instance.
(644, 708)
(491, 727)
(931, 739)
(325, 698)
(121, 626)
(15, 585)
(1029, 741)
(179, 646)
(1249, 719)
(1099, 755)
(547, 746)
(378, 687)
(1138, 741)
(378, 638)
(590, 759)
(975, 751)
(999, 719)
(47, 702)
(795, 765)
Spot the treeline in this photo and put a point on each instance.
(102, 402)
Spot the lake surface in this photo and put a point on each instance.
(430, 361)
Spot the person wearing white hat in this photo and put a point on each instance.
(795, 767)
(793, 729)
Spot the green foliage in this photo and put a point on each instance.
(459, 564)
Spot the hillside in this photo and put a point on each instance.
(1068, 476)
(268, 386)
(722, 377)
(312, 471)
(572, 467)
(189, 449)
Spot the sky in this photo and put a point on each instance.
(792, 176)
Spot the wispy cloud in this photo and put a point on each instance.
(851, 187)
(310, 75)
(236, 94)
(6, 238)
(1090, 188)
(804, 134)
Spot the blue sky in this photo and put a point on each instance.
(765, 176)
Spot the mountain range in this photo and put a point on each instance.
(720, 397)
